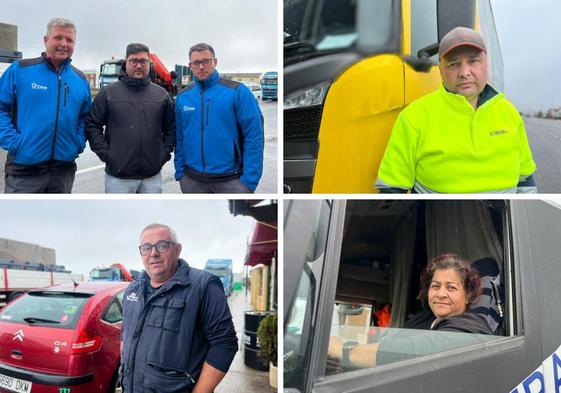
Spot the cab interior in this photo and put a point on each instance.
(386, 245)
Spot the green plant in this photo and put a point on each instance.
(267, 335)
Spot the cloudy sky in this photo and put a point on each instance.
(90, 233)
(529, 34)
(242, 32)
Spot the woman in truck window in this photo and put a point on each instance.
(449, 285)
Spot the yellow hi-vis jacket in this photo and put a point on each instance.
(439, 143)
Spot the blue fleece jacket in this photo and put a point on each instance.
(42, 112)
(219, 132)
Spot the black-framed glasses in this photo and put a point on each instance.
(205, 62)
(135, 62)
(161, 246)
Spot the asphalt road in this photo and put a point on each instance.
(90, 174)
(544, 136)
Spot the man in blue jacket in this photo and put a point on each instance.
(177, 329)
(44, 103)
(219, 140)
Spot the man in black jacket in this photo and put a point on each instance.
(139, 123)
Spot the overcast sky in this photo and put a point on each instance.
(90, 233)
(243, 33)
(529, 35)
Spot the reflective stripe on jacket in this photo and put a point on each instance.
(442, 144)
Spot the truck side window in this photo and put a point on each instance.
(386, 246)
(423, 26)
(299, 328)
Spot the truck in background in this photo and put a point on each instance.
(109, 71)
(269, 85)
(17, 277)
(171, 81)
(223, 269)
(115, 272)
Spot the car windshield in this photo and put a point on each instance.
(56, 309)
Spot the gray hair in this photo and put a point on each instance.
(171, 232)
(135, 48)
(60, 22)
(201, 47)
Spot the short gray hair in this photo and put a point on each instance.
(171, 232)
(201, 47)
(60, 22)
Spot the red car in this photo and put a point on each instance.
(63, 339)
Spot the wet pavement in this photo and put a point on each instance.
(241, 378)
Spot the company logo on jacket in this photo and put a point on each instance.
(132, 297)
(37, 86)
(187, 108)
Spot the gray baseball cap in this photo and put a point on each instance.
(458, 37)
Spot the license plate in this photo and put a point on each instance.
(14, 384)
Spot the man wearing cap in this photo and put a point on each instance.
(463, 138)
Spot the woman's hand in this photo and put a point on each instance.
(335, 349)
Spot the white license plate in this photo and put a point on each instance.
(14, 384)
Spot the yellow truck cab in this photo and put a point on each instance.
(350, 67)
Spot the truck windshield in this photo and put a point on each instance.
(316, 28)
(103, 274)
(54, 309)
(111, 69)
(220, 272)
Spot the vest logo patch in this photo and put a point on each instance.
(37, 86)
(132, 297)
(498, 132)
(187, 108)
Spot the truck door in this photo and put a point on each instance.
(340, 265)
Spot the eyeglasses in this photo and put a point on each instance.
(204, 62)
(135, 62)
(161, 246)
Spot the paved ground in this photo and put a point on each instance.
(241, 378)
(545, 140)
(90, 174)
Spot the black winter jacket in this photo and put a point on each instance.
(139, 125)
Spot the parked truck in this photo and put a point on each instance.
(350, 67)
(269, 85)
(347, 259)
(158, 74)
(115, 272)
(17, 277)
(109, 71)
(223, 269)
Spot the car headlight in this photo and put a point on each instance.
(309, 96)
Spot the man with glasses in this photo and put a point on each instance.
(44, 103)
(177, 328)
(219, 131)
(139, 124)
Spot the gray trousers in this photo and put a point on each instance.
(55, 180)
(191, 186)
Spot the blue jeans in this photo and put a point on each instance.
(149, 185)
